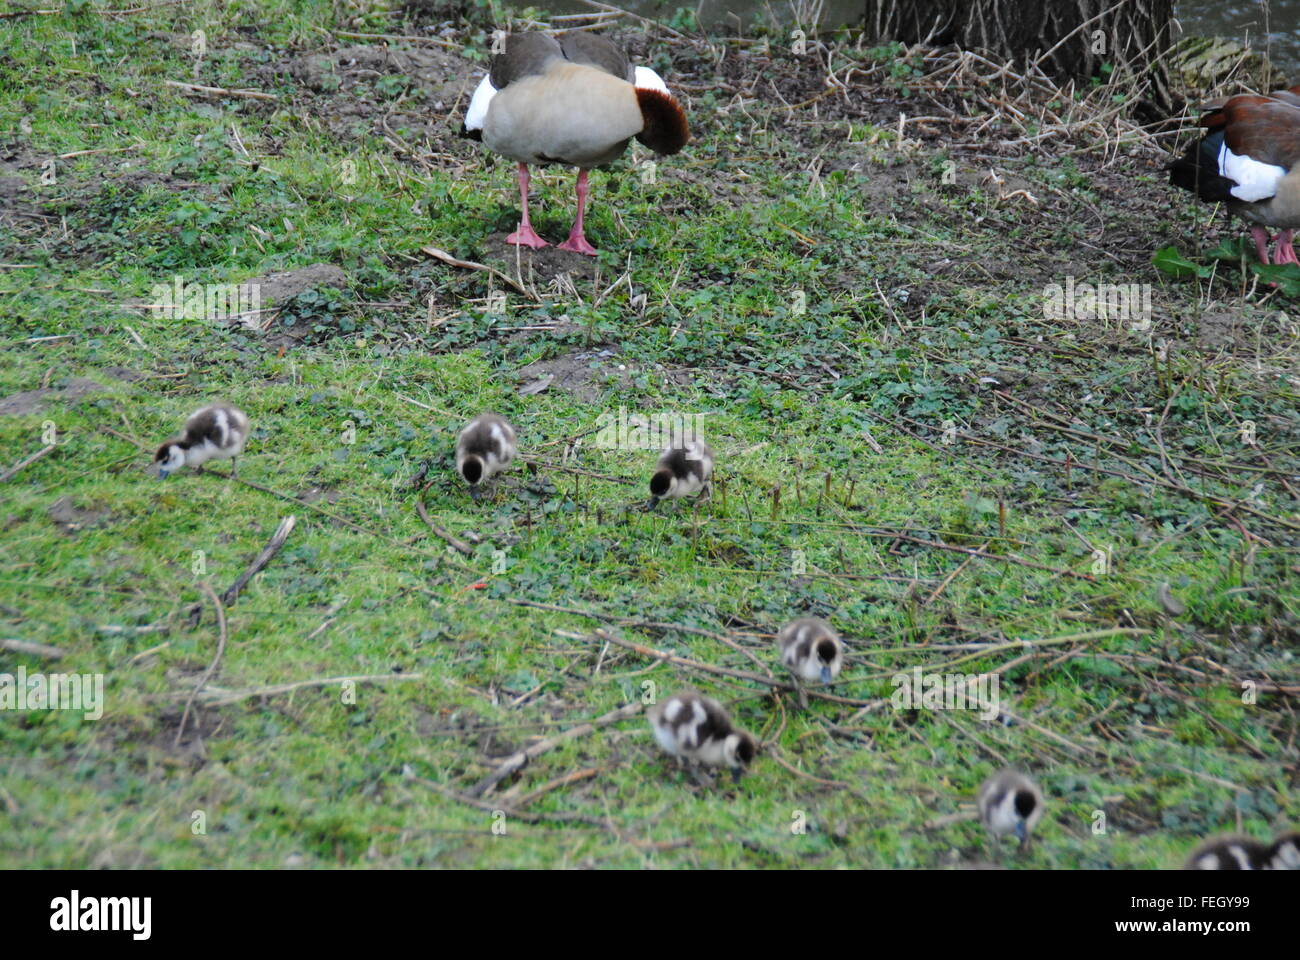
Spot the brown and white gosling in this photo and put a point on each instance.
(812, 651)
(1010, 803)
(696, 729)
(485, 447)
(681, 472)
(1245, 853)
(215, 432)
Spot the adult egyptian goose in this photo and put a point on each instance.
(1250, 160)
(696, 729)
(215, 432)
(576, 101)
(485, 446)
(1010, 803)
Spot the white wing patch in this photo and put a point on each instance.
(645, 79)
(476, 115)
(1255, 180)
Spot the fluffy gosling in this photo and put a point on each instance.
(681, 471)
(215, 432)
(1244, 853)
(1010, 802)
(812, 651)
(1285, 852)
(696, 729)
(484, 448)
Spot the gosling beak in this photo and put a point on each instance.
(736, 774)
(826, 674)
(163, 474)
(1022, 833)
(475, 492)
(654, 502)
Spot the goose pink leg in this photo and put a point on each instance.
(1284, 252)
(577, 241)
(524, 236)
(1261, 243)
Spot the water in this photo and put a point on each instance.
(1271, 25)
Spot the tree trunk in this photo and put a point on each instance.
(1130, 35)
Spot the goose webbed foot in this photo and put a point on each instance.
(578, 243)
(525, 236)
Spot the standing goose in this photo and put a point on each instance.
(1250, 160)
(215, 432)
(576, 101)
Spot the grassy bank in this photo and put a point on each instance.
(858, 316)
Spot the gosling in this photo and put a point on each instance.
(1010, 803)
(484, 448)
(682, 471)
(1244, 853)
(215, 432)
(696, 729)
(812, 651)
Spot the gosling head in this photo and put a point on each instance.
(661, 485)
(169, 458)
(738, 751)
(472, 470)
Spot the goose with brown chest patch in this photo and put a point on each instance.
(682, 471)
(696, 729)
(484, 447)
(576, 101)
(218, 431)
(1010, 803)
(1250, 160)
(812, 651)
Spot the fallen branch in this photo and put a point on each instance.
(30, 460)
(524, 815)
(221, 91)
(518, 760)
(643, 624)
(460, 545)
(224, 697)
(207, 675)
(564, 781)
(36, 649)
(725, 671)
(446, 257)
(260, 561)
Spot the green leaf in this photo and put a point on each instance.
(1175, 264)
(1234, 250)
(1285, 275)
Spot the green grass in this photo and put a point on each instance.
(836, 326)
